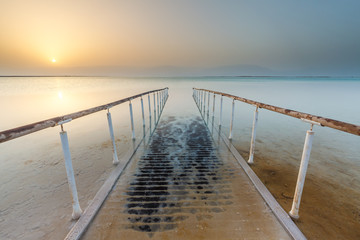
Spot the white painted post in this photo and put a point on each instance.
(221, 106)
(197, 97)
(132, 120)
(157, 104)
(70, 175)
(154, 111)
(253, 136)
(294, 212)
(201, 101)
(232, 120)
(161, 103)
(149, 110)
(162, 99)
(143, 114)
(115, 157)
(204, 104)
(208, 104)
(213, 110)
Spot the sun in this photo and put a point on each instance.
(53, 60)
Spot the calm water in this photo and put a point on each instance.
(32, 173)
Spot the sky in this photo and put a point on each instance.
(109, 36)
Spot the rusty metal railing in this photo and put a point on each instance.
(52, 122)
(200, 96)
(162, 95)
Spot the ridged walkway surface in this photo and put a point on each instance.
(184, 187)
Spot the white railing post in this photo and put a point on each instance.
(208, 110)
(154, 111)
(204, 104)
(132, 120)
(253, 136)
(161, 103)
(143, 114)
(197, 97)
(201, 102)
(221, 107)
(149, 110)
(111, 130)
(70, 175)
(162, 100)
(232, 120)
(294, 212)
(213, 110)
(157, 104)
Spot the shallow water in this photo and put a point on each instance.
(32, 173)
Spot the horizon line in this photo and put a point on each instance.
(195, 76)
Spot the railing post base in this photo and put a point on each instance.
(294, 217)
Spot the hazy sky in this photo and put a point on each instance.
(276, 34)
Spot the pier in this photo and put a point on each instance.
(184, 186)
(183, 179)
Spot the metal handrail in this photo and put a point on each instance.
(327, 122)
(52, 122)
(200, 99)
(60, 121)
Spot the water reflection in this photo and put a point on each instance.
(60, 95)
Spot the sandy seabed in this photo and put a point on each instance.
(36, 203)
(330, 205)
(41, 209)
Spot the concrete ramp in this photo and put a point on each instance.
(183, 185)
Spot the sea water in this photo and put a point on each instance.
(35, 200)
